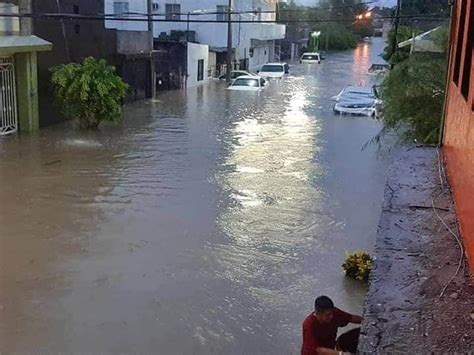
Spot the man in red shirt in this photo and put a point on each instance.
(320, 330)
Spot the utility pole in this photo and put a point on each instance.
(229, 41)
(186, 71)
(395, 29)
(26, 23)
(152, 47)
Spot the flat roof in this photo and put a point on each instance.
(20, 44)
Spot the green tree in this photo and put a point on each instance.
(413, 95)
(335, 36)
(90, 92)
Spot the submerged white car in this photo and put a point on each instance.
(379, 69)
(355, 91)
(310, 58)
(248, 83)
(234, 74)
(356, 100)
(365, 107)
(274, 70)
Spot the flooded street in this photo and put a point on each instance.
(206, 223)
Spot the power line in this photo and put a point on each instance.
(75, 17)
(204, 12)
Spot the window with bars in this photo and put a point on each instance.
(222, 13)
(173, 11)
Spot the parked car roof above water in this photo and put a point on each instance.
(235, 74)
(248, 83)
(355, 91)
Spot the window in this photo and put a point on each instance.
(222, 13)
(173, 11)
(120, 7)
(155, 6)
(75, 9)
(466, 72)
(459, 42)
(200, 73)
(77, 29)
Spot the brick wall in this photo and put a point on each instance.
(458, 140)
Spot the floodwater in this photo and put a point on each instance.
(206, 223)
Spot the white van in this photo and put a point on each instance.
(273, 70)
(311, 57)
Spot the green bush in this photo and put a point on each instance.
(90, 92)
(413, 96)
(335, 36)
(358, 265)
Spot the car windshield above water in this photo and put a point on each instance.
(310, 57)
(246, 82)
(358, 91)
(273, 68)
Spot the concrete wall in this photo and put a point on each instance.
(75, 40)
(212, 63)
(459, 136)
(262, 54)
(9, 25)
(133, 42)
(138, 6)
(195, 53)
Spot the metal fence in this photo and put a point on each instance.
(8, 105)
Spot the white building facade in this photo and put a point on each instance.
(253, 43)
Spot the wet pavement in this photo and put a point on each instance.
(206, 223)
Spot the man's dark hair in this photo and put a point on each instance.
(323, 303)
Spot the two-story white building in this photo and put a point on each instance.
(253, 42)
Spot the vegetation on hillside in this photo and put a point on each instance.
(414, 90)
(333, 18)
(90, 92)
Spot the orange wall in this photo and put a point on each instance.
(458, 144)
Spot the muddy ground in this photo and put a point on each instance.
(414, 305)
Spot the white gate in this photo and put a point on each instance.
(8, 108)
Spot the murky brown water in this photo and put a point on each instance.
(206, 223)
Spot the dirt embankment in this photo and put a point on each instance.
(414, 305)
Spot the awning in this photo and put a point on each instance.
(21, 44)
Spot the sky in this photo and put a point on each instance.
(387, 3)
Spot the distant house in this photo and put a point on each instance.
(18, 74)
(74, 39)
(253, 43)
(424, 42)
(458, 139)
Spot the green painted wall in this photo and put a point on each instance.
(27, 91)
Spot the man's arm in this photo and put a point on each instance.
(326, 351)
(356, 319)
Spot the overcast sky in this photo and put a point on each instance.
(388, 3)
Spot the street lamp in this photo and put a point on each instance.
(367, 15)
(315, 35)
